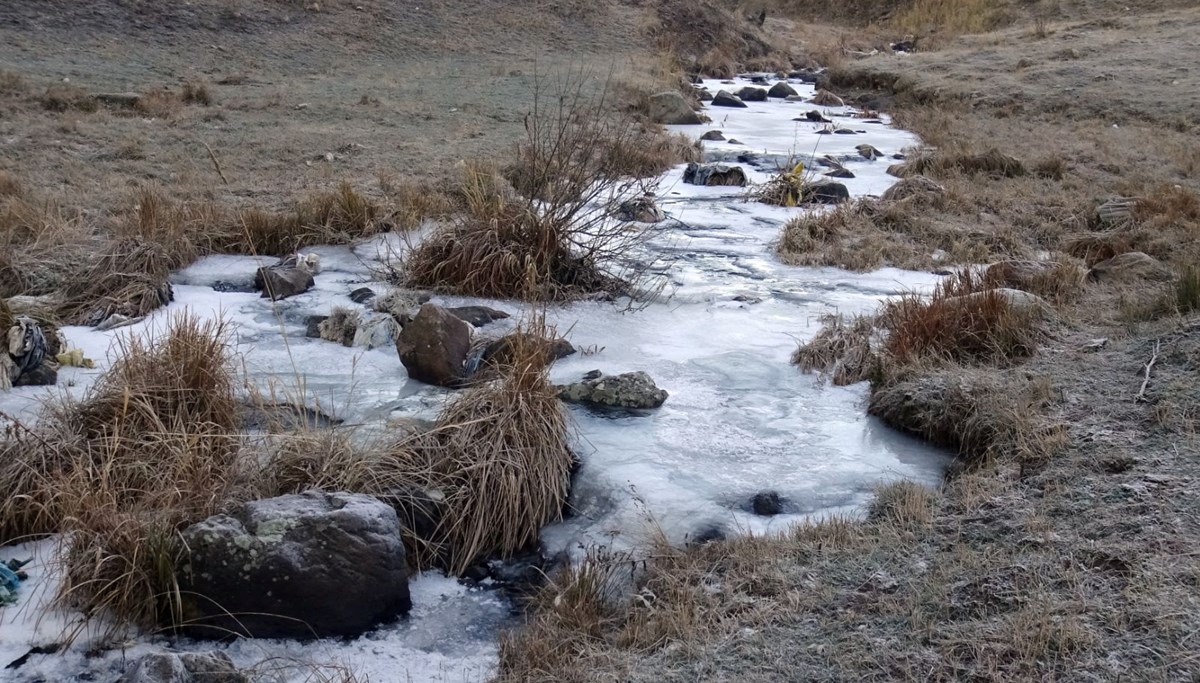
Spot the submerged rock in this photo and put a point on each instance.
(184, 667)
(298, 566)
(312, 326)
(766, 503)
(477, 316)
(362, 295)
(629, 390)
(434, 346)
(724, 98)
(671, 108)
(1132, 266)
(714, 175)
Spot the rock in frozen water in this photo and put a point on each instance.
(751, 94)
(766, 503)
(630, 390)
(434, 346)
(280, 282)
(639, 209)
(714, 174)
(782, 90)
(299, 566)
(477, 316)
(724, 99)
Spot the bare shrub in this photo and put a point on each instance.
(129, 278)
(547, 244)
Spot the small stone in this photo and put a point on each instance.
(362, 295)
(839, 173)
(1096, 344)
(767, 503)
(724, 98)
(312, 326)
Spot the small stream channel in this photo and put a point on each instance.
(740, 420)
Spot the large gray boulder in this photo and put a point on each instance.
(628, 390)
(305, 565)
(671, 108)
(186, 667)
(434, 345)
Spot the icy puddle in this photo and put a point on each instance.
(740, 420)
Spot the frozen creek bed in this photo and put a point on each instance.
(739, 419)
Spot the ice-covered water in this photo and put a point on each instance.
(739, 419)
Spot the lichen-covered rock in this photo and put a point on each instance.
(434, 346)
(298, 566)
(185, 667)
(628, 390)
(672, 109)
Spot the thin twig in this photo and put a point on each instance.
(216, 164)
(1141, 394)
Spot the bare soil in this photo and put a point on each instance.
(303, 94)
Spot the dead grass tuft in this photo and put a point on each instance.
(902, 503)
(158, 104)
(9, 185)
(65, 97)
(963, 321)
(501, 454)
(11, 83)
(1187, 290)
(843, 350)
(196, 93)
(151, 447)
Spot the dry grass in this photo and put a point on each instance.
(964, 320)
(152, 447)
(843, 350)
(501, 454)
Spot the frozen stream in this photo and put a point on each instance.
(739, 420)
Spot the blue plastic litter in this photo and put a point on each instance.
(9, 581)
